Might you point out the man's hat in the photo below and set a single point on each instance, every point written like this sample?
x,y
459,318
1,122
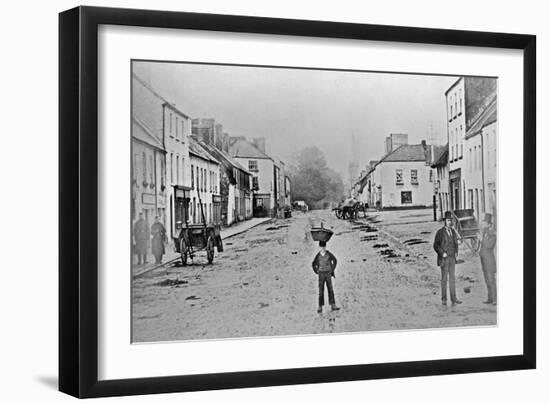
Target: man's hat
x,y
488,218
448,215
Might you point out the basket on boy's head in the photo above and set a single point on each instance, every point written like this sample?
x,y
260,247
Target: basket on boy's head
x,y
321,234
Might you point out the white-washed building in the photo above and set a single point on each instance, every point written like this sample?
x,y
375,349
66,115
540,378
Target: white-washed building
x,y
465,100
402,179
480,167
235,180
235,187
173,127
147,171
205,202
262,167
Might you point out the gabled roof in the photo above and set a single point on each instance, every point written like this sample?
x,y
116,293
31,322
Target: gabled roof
x,y
196,149
141,132
241,147
406,152
486,117
441,156
148,106
225,160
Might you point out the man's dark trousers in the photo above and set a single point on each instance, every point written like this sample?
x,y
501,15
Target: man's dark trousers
x,y
325,277
448,271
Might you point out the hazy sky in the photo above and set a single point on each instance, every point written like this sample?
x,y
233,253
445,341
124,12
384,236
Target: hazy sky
x,y
295,108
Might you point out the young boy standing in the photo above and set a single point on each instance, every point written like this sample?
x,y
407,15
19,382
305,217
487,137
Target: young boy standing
x,y
324,265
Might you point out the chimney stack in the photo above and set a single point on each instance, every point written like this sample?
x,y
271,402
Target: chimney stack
x,y
225,143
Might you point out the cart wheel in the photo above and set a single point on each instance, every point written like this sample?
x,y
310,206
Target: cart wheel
x,y
183,252
210,249
338,214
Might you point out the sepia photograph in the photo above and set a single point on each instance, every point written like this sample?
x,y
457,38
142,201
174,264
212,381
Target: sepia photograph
x,y
281,201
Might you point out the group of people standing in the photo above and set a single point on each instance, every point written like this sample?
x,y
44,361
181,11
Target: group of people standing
x,y
142,236
446,247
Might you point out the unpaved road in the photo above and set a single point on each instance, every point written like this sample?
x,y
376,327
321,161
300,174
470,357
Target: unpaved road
x,y
263,284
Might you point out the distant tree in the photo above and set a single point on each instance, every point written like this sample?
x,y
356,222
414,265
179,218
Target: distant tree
x,y
312,180
335,191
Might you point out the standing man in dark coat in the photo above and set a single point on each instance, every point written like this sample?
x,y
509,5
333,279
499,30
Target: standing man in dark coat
x,y
141,238
324,265
488,261
159,236
446,247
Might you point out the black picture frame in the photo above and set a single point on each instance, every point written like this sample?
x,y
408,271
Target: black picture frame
x,y
78,200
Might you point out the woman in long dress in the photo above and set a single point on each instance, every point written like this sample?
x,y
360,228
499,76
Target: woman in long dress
x,y
159,236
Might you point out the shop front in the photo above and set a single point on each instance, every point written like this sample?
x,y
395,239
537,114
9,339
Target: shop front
x,y
180,217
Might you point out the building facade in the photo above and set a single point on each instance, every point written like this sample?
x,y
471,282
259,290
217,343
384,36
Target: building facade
x,y
402,179
252,156
235,187
235,180
465,100
177,130
148,174
440,167
173,127
480,174
204,198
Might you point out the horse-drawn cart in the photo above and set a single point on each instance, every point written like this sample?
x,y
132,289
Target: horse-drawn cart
x,y
349,209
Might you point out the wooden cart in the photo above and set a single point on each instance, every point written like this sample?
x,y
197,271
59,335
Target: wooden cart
x,y
198,237
466,225
193,238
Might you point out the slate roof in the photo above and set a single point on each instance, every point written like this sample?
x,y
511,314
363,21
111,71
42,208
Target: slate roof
x,y
141,132
148,105
488,116
363,180
198,150
441,156
406,152
225,160
241,147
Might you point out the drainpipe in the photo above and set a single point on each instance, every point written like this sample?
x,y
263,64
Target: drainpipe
x,y
483,170
156,182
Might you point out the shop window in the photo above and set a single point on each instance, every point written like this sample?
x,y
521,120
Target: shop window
x,y
406,197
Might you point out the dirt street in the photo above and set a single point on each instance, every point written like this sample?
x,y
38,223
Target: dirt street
x,y
263,284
